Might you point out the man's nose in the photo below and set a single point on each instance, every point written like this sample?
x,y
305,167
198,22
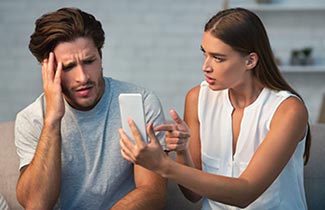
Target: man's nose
x,y
82,74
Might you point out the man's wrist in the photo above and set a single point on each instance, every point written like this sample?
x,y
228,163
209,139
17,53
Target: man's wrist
x,y
52,122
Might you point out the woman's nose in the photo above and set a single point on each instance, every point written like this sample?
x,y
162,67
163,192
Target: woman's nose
x,y
206,67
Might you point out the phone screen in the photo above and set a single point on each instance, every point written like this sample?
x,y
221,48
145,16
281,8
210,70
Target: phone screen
x,y
131,106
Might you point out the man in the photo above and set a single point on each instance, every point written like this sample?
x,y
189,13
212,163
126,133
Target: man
x,y
68,139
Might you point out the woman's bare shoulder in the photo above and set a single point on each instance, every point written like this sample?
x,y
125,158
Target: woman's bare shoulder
x,y
193,93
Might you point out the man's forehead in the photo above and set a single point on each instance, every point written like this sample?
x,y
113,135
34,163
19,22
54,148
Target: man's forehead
x,y
77,49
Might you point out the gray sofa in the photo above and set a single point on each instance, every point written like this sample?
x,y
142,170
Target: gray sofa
x,y
314,172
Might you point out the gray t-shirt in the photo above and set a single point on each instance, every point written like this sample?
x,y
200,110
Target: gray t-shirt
x,y
94,174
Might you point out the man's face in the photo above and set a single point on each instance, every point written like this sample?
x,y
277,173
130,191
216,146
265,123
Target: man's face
x,y
82,76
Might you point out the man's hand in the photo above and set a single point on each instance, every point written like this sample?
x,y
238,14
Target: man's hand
x,y
51,75
177,134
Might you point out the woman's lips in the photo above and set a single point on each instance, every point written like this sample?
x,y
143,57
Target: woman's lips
x,y
209,80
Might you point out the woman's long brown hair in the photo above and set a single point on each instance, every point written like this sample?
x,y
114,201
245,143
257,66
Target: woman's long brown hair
x,y
244,32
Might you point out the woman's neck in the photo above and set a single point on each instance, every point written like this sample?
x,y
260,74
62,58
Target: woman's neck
x,y
244,95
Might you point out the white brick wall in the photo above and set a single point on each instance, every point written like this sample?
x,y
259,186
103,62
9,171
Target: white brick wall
x,y
152,43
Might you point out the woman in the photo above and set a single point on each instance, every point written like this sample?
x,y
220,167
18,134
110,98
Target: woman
x,y
245,134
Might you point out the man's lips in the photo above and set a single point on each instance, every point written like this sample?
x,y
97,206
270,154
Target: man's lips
x,y
83,91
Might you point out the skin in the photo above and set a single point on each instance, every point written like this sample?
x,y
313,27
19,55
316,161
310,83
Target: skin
x,y
74,71
223,68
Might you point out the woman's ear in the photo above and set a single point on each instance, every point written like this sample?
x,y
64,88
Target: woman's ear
x,y
251,61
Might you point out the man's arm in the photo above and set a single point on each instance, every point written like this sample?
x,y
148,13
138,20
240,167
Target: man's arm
x,y
38,186
150,192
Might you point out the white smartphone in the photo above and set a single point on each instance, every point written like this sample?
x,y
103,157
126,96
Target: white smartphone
x,y
131,107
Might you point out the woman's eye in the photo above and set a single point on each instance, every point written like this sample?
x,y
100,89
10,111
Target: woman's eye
x,y
219,60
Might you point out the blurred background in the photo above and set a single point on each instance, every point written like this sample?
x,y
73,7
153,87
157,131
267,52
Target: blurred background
x,y
156,44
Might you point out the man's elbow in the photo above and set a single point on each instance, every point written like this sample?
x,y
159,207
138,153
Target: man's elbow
x,y
21,195
30,201
34,204
160,199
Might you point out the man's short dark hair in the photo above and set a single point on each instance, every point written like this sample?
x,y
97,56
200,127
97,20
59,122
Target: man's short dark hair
x,y
64,25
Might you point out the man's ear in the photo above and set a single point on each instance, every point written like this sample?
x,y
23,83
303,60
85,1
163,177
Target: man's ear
x,y
251,61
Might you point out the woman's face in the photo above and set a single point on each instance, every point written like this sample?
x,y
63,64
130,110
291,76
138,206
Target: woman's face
x,y
223,67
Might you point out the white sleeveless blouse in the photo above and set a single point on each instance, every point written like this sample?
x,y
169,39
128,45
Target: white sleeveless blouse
x,y
214,112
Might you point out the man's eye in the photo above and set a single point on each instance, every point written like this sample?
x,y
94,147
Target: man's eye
x,y
88,61
67,68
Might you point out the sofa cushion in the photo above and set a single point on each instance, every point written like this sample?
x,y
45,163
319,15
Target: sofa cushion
x,y
8,165
315,169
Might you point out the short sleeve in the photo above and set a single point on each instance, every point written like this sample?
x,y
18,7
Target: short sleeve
x,y
27,133
154,113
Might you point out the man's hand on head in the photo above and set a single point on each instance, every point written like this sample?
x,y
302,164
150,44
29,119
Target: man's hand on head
x,y
51,75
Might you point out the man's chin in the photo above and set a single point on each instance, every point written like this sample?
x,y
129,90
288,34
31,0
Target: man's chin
x,y
83,105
